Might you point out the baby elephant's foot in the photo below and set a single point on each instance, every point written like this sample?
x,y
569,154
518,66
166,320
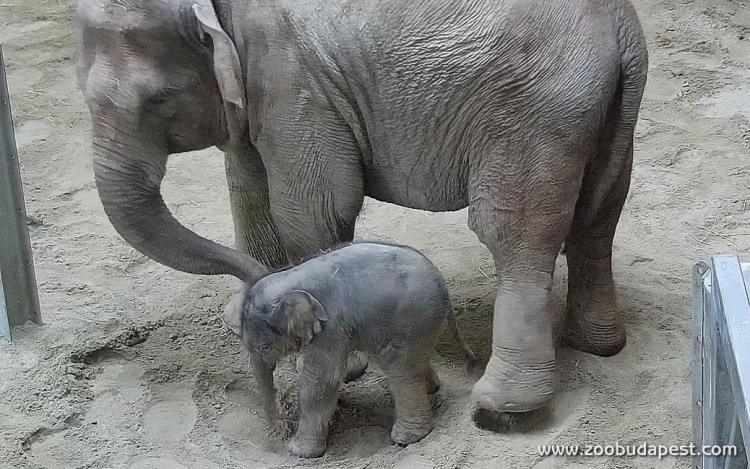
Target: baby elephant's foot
x,y
405,434
306,448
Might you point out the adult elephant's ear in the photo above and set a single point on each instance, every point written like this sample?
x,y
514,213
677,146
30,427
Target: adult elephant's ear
x,y
226,62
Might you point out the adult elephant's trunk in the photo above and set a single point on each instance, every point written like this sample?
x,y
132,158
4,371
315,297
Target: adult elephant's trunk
x,y
129,171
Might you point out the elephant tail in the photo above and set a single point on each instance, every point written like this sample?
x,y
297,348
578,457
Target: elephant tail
x,y
614,158
633,75
450,318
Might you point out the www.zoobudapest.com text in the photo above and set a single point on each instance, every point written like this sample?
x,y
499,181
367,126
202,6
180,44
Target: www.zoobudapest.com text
x,y
644,449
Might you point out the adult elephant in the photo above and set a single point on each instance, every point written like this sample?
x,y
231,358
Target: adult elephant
x,y
522,110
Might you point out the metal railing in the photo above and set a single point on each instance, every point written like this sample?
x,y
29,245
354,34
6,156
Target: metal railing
x,y
721,363
19,298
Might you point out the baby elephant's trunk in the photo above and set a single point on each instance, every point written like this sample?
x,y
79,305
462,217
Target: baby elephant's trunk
x,y
450,317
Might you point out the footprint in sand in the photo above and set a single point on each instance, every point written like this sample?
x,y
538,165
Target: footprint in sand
x,y
239,425
244,429
363,442
172,416
119,376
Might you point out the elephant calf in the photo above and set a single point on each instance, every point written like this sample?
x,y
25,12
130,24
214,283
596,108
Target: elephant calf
x,y
384,300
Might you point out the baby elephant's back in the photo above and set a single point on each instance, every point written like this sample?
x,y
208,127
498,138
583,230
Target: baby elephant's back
x,y
393,281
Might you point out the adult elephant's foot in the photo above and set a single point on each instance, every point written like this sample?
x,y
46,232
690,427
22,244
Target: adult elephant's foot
x,y
593,324
595,333
307,447
519,376
506,389
404,433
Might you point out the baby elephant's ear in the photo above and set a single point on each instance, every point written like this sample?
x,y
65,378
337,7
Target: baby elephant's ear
x,y
302,314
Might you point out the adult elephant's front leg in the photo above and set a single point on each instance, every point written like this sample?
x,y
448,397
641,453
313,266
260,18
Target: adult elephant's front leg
x,y
255,232
523,219
519,376
254,229
316,186
316,191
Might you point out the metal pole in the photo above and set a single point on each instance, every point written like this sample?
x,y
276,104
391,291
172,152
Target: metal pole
x,y
710,358
697,365
17,277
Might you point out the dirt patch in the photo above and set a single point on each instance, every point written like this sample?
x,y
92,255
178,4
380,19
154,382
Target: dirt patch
x,y
133,368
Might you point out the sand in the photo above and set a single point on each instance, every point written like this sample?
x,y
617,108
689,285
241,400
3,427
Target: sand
x,y
133,369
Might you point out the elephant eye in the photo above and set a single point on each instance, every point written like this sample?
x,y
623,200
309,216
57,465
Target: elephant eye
x,y
162,101
155,101
264,348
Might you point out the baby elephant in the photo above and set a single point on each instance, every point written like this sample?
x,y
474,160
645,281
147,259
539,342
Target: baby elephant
x,y
383,300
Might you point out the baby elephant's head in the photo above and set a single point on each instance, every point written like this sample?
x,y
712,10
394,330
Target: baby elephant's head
x,y
273,328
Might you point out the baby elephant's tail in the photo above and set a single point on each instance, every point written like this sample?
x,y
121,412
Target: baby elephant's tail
x,y
450,317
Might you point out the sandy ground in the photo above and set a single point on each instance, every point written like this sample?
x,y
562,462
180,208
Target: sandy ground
x,y
134,370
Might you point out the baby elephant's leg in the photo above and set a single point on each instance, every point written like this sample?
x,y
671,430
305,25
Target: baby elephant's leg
x,y
320,377
407,378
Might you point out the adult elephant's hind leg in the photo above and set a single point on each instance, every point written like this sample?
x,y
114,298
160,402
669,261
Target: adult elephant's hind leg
x,y
522,215
593,323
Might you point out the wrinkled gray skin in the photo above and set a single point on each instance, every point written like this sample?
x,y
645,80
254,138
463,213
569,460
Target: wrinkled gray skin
x,y
522,110
385,300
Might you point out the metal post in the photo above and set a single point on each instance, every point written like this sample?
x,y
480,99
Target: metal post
x,y
699,305
17,278
710,358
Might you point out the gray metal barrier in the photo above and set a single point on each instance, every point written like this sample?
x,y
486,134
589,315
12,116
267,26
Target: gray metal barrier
x,y
19,298
721,363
